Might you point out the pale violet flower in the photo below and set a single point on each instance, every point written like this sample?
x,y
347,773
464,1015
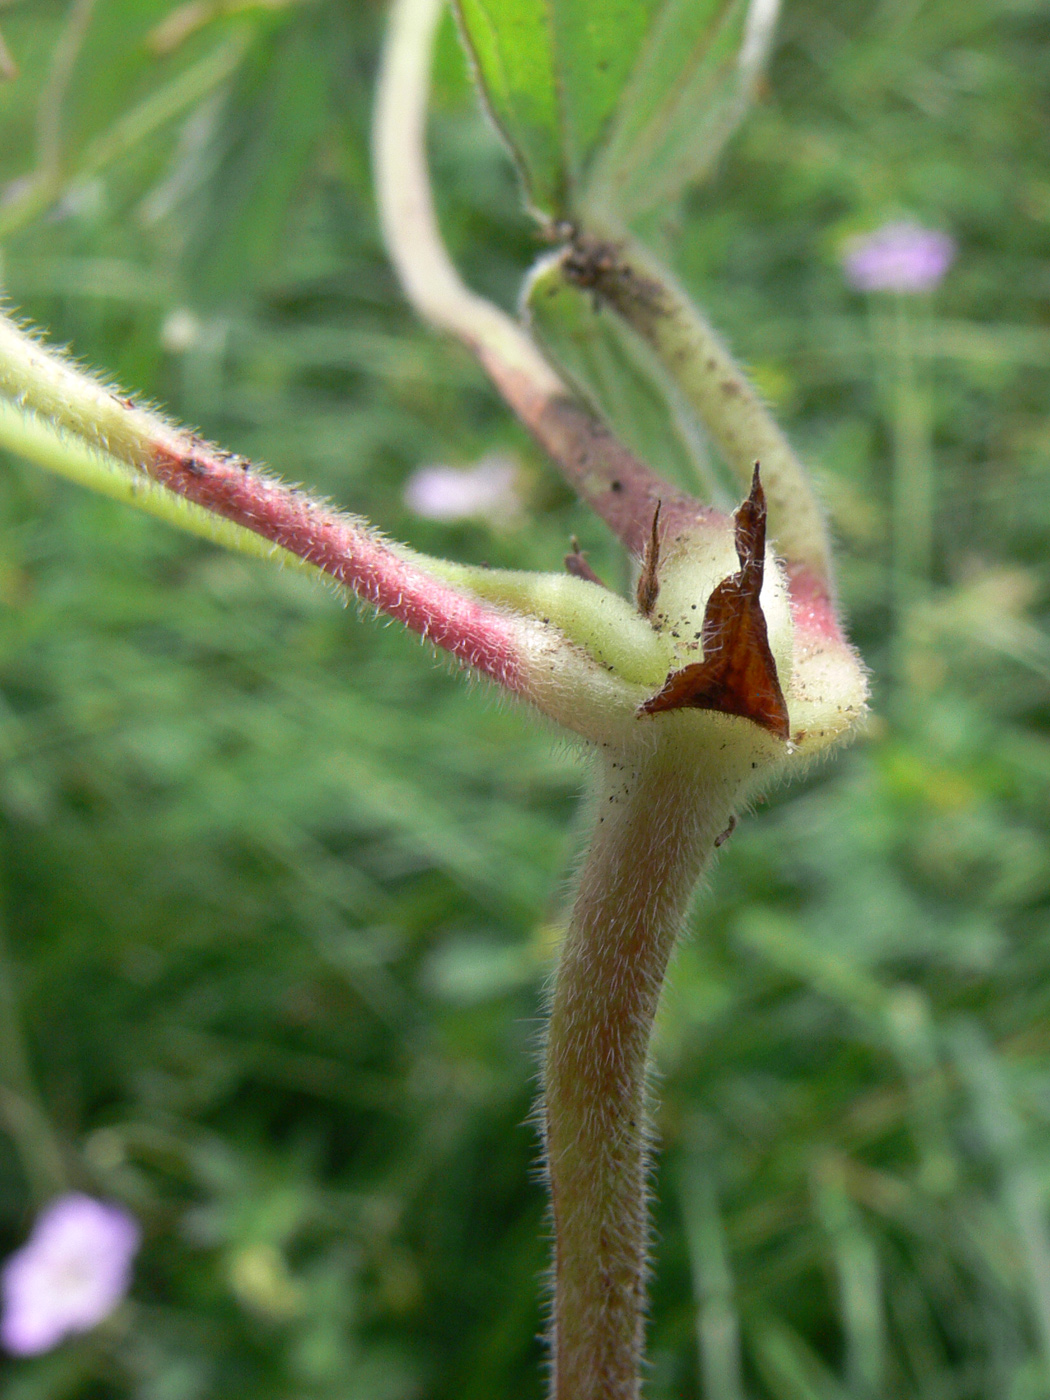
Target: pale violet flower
x,y
899,257
181,331
70,1274
482,492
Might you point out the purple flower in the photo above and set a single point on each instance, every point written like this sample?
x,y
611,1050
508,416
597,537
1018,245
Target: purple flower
x,y
69,1275
900,257
482,492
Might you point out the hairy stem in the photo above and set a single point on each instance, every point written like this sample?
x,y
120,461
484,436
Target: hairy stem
x,y
34,438
617,486
628,279
550,640
63,419
657,817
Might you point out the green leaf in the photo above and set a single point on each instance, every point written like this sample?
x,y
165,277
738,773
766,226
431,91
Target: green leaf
x,y
611,106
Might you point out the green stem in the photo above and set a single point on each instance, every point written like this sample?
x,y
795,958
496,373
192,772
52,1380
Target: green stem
x,y
31,437
45,382
409,222
102,441
620,488
630,280
657,816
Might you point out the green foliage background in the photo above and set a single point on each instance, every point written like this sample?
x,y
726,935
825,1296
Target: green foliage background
x,y
278,892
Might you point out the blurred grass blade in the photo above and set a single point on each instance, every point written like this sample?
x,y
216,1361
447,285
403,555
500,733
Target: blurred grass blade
x,y
8,66
1023,1195
483,865
914,1038
257,156
859,1278
132,129
717,1323
611,106
112,279
778,940
189,18
164,105
790,1369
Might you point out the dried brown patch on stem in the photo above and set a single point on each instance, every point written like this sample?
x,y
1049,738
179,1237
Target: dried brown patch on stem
x,y
577,565
598,265
738,675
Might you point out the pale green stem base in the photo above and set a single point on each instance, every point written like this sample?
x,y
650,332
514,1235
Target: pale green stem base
x,y
657,816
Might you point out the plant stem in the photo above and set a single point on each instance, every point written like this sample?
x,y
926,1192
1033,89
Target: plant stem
x,y
406,208
56,415
613,482
32,437
631,281
507,626
657,816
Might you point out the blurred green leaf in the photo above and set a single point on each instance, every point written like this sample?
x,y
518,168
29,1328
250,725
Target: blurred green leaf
x,y
611,108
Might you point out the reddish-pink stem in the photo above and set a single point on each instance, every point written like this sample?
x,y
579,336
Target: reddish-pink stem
x,y
478,635
813,605
616,484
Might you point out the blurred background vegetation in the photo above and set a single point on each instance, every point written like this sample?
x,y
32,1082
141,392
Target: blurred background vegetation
x,y
278,892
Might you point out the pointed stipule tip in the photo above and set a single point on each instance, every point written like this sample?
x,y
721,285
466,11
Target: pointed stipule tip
x,y
757,496
738,675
